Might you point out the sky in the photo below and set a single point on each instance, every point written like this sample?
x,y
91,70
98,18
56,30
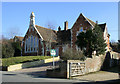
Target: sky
x,y
16,15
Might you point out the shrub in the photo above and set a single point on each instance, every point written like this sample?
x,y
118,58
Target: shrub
x,y
7,49
70,54
17,48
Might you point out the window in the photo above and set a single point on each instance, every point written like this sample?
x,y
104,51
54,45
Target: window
x,y
26,45
81,30
34,43
31,43
28,42
33,29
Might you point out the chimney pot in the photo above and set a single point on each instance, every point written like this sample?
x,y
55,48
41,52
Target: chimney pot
x,y
59,29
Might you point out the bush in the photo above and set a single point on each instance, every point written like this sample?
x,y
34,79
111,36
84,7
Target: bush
x,y
7,49
70,54
17,48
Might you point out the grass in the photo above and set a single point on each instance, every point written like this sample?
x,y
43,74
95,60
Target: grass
x,y
18,60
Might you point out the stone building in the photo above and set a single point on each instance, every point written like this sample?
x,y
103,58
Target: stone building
x,y
39,40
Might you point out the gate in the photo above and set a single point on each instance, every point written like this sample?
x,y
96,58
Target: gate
x,y
75,69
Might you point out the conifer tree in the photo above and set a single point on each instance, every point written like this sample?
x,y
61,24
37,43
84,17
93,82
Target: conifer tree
x,y
99,44
92,40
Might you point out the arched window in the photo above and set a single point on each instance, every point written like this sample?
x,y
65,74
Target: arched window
x,y
31,43
26,45
34,43
28,42
37,43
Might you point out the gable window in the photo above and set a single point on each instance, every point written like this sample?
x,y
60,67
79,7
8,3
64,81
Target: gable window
x,y
32,29
81,30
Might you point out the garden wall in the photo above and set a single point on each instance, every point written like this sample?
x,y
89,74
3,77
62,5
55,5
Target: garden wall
x,y
31,64
77,67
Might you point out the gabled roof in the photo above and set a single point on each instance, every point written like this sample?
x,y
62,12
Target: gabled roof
x,y
93,23
88,20
47,34
102,26
19,37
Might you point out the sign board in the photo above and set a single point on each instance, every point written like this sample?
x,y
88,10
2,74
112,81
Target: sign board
x,y
53,52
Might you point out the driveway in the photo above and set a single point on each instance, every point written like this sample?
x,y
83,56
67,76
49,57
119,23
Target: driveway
x,y
34,74
38,71
111,74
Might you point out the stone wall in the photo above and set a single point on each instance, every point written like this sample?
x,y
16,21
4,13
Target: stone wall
x,y
91,64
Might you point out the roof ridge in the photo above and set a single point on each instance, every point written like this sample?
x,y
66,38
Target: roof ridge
x,y
90,20
19,36
45,27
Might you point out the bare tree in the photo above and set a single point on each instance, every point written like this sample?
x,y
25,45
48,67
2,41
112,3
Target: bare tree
x,y
14,31
49,43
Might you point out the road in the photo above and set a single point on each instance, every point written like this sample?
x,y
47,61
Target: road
x,y
34,74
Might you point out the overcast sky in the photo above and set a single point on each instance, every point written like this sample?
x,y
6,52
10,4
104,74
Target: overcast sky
x,y
16,15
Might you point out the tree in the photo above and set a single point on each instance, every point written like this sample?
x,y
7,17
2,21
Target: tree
x,y
85,42
91,40
49,43
17,48
7,49
99,42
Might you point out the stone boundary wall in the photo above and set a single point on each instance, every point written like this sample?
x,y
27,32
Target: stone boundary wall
x,y
31,64
91,64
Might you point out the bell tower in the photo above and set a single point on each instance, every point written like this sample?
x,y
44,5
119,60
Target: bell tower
x,y
32,19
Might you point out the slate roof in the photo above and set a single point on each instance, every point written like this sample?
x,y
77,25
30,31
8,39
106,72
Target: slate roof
x,y
47,34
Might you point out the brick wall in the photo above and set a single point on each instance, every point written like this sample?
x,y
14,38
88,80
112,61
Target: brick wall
x,y
80,22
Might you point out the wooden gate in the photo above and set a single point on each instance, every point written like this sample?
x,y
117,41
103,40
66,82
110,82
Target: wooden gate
x,y
76,68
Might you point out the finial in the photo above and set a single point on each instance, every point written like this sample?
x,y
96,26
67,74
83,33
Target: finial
x,y
32,14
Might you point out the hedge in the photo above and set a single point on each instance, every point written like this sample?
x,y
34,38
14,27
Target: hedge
x,y
22,59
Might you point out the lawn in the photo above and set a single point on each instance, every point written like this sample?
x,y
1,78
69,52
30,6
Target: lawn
x,y
23,59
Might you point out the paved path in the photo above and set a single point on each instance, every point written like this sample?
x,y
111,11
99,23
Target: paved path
x,y
36,72
111,74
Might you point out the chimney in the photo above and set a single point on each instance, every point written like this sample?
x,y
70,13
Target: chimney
x,y
59,29
66,25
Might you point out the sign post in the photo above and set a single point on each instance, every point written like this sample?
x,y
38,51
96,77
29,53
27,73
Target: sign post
x,y
53,53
